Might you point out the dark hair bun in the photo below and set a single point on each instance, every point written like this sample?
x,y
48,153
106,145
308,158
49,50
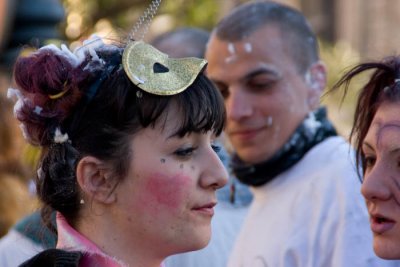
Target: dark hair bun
x,y
51,83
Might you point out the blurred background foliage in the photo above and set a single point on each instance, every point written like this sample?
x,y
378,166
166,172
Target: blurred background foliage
x,y
349,32
114,19
338,58
76,20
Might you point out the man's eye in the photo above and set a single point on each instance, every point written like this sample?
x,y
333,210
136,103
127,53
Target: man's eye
x,y
223,89
224,93
261,85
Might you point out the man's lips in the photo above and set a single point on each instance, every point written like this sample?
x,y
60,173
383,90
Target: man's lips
x,y
206,209
380,224
244,133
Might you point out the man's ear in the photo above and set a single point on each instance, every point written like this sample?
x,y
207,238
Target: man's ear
x,y
316,80
95,181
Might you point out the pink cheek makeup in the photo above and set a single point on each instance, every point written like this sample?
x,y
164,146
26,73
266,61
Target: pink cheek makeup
x,y
169,191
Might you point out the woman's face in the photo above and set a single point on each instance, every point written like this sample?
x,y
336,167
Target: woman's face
x,y
381,185
167,199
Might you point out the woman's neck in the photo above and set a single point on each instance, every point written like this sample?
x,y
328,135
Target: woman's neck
x,y
125,245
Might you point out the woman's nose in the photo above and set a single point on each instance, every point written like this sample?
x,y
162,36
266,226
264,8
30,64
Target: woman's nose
x,y
215,174
376,183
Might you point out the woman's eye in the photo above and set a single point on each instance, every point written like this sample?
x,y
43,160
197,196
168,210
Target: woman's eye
x,y
369,161
216,148
185,152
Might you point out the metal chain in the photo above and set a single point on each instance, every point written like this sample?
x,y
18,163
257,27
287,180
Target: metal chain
x,y
142,25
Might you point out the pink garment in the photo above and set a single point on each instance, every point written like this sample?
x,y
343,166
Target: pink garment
x,y
71,240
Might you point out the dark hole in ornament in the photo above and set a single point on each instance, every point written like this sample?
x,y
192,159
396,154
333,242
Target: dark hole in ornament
x,y
158,68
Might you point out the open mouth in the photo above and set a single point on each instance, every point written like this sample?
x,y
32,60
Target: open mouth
x,y
380,220
381,224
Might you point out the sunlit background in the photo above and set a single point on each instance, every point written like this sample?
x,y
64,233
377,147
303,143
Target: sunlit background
x,y
348,31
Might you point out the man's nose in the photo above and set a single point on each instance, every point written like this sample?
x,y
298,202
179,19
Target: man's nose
x,y
238,104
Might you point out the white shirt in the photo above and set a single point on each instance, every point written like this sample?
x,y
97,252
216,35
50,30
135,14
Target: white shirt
x,y
16,248
312,215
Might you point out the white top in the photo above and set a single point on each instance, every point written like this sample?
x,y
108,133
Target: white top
x,y
16,248
312,215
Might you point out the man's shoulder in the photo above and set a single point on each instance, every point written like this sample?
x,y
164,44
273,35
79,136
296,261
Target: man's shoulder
x,y
329,166
334,145
332,153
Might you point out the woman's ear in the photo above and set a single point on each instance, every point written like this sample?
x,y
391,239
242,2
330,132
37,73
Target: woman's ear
x,y
316,81
95,181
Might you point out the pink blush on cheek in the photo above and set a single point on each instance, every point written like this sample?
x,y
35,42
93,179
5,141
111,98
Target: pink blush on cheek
x,y
167,190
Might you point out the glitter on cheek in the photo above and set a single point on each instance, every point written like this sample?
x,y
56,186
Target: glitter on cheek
x,y
170,191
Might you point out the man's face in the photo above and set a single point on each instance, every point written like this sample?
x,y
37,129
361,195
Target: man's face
x,y
265,95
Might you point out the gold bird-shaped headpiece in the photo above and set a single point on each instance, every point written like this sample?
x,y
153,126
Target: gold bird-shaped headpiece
x,y
156,73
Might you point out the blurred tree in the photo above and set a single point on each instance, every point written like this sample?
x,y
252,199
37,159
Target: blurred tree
x,y
118,17
338,58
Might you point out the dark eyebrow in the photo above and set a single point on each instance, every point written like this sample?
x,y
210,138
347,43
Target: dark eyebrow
x,y
253,73
367,145
261,70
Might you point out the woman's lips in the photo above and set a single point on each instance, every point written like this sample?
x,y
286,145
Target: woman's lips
x,y
381,224
207,209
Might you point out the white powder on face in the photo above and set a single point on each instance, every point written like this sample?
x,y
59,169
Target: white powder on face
x,y
232,52
248,47
231,48
230,59
269,121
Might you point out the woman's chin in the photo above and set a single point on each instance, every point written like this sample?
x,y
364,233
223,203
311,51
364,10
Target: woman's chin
x,y
386,251
198,242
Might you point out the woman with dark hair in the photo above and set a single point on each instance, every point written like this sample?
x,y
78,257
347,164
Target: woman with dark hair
x,y
128,159
376,136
